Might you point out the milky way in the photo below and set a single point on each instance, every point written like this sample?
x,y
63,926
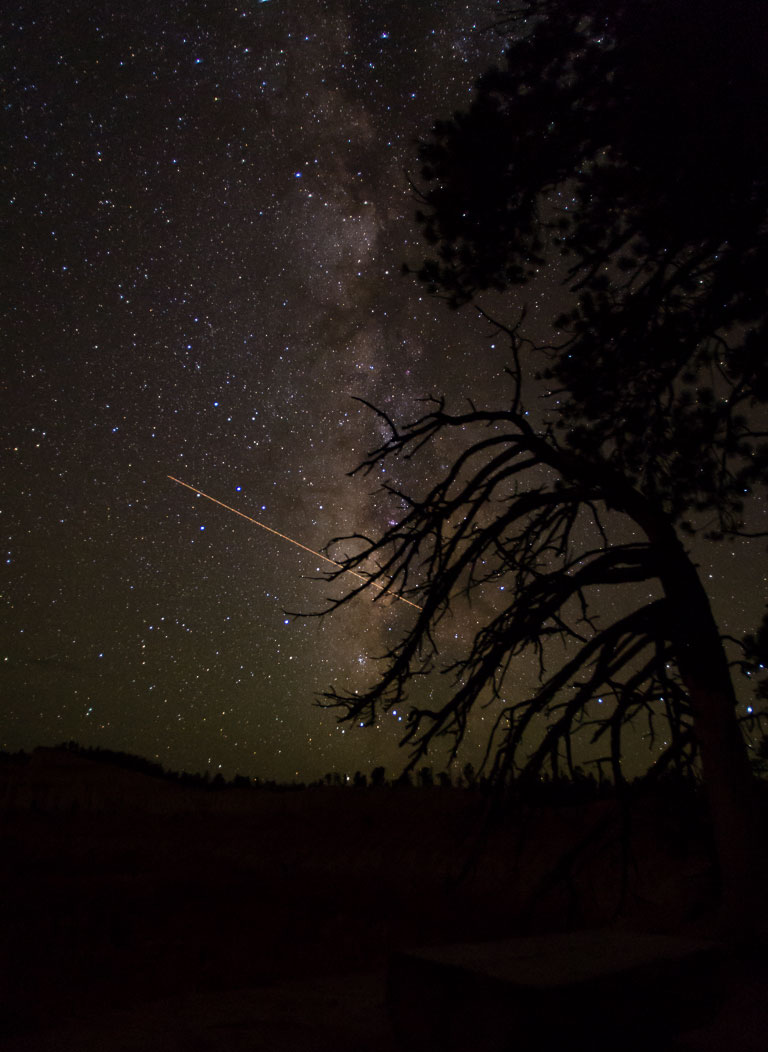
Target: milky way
x,y
207,207
208,212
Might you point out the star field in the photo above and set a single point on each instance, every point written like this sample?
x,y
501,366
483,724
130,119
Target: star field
x,y
206,212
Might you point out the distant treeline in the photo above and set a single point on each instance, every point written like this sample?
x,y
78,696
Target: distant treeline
x,y
583,786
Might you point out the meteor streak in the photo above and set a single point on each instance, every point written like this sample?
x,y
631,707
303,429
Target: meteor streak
x,y
298,544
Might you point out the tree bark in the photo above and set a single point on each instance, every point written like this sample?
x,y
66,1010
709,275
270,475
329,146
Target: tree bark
x,y
738,829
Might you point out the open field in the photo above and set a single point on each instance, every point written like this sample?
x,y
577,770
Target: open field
x,y
122,892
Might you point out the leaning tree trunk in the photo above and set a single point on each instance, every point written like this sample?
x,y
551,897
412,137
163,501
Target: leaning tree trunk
x,y
737,826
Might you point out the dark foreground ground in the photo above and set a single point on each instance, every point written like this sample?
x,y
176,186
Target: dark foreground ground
x,y
139,914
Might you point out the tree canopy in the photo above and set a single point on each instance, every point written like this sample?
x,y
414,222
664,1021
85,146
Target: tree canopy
x,y
621,149
628,140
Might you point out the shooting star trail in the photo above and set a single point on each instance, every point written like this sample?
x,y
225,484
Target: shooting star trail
x,y
298,544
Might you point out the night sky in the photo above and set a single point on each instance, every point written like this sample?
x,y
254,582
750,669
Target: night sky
x,y
205,213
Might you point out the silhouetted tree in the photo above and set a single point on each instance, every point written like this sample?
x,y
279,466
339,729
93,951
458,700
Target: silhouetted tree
x,y
378,777
403,780
619,157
